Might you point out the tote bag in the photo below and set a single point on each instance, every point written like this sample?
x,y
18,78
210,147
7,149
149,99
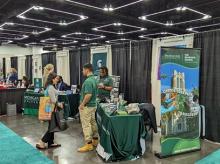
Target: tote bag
x,y
45,108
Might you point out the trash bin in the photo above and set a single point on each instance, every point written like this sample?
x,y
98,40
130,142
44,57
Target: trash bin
x,y
11,110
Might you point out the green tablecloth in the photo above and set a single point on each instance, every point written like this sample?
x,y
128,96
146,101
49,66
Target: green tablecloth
x,y
121,137
31,103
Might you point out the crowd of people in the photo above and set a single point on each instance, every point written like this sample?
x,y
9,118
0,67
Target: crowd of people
x,y
93,87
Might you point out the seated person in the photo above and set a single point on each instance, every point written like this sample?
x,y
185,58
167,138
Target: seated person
x,y
12,76
61,85
25,82
105,83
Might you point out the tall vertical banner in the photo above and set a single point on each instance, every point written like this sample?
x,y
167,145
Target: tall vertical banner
x,y
179,76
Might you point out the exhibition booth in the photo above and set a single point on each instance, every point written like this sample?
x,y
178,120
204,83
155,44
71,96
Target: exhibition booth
x,y
163,99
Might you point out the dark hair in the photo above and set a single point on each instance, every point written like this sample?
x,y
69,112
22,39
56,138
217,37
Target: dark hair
x,y
195,98
105,69
163,95
50,78
61,78
25,78
88,66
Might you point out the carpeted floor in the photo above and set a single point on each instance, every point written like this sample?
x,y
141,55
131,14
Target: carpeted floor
x,y
13,149
213,158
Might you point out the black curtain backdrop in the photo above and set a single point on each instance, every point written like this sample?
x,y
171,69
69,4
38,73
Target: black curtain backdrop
x,y
210,81
28,67
77,58
4,68
14,62
74,59
85,57
140,74
49,58
121,66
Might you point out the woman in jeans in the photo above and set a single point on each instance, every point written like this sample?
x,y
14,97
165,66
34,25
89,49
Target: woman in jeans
x,y
50,91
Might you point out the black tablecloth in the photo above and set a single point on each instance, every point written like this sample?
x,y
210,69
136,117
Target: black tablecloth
x,y
13,96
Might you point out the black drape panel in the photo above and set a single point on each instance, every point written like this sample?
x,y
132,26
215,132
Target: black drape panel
x,y
49,58
210,81
121,66
84,58
28,67
4,68
77,58
74,59
14,62
140,75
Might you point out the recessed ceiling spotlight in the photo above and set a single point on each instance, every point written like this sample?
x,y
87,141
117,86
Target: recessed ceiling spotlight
x,y
107,41
120,33
117,24
42,41
94,43
143,17
62,23
178,8
95,29
169,24
83,45
206,17
21,16
87,39
10,41
48,29
141,36
75,41
142,29
82,17
183,8
51,39
38,8
35,32
189,29
27,44
110,8
78,33
63,36
9,23
25,36
1,28
102,36
123,39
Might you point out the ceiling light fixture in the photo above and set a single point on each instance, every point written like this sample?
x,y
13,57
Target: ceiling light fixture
x,y
147,36
81,17
116,41
193,29
105,8
83,36
183,8
119,24
10,23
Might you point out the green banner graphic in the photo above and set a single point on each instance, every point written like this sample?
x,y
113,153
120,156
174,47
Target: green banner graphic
x,y
179,75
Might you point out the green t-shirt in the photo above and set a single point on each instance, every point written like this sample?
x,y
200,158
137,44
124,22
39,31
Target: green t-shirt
x,y
89,87
106,81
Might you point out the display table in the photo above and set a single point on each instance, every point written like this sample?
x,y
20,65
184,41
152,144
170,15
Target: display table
x,y
31,103
121,137
13,96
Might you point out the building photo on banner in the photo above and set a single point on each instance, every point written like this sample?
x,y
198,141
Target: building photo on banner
x,y
109,82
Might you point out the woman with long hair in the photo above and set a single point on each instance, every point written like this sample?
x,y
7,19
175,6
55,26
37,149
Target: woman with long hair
x,y
49,68
51,92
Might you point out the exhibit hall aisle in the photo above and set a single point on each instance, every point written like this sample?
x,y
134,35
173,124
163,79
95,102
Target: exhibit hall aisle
x,y
30,129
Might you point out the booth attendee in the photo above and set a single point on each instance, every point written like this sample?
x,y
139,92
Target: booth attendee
x,y
87,109
25,82
50,91
12,76
105,83
49,68
61,85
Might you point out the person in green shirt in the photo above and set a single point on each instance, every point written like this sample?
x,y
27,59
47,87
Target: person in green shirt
x,y
105,83
87,109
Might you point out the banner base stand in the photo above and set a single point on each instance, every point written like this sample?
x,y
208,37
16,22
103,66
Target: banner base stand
x,y
160,156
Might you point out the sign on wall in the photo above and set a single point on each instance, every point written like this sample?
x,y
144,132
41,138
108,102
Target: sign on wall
x,y
99,60
179,76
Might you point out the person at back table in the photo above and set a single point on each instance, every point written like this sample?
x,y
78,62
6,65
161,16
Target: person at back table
x,y
12,76
105,83
61,85
49,68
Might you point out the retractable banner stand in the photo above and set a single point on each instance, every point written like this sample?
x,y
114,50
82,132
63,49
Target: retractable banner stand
x,y
180,121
